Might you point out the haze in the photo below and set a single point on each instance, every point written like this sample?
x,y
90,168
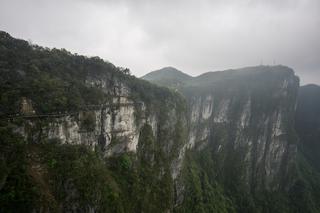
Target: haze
x,y
194,36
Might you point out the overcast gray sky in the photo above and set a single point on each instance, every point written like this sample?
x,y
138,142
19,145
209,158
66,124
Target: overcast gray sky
x,y
194,36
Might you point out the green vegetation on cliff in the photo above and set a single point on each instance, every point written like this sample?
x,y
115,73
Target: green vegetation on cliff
x,y
37,173
59,178
56,80
222,169
163,175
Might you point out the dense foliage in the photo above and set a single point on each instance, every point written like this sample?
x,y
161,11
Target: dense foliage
x,y
17,190
214,182
41,174
44,174
204,192
52,79
59,178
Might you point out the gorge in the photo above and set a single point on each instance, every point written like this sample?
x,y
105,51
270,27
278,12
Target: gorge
x,y
79,134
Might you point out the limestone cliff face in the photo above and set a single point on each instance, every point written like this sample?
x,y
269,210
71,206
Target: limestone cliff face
x,y
115,126
219,142
246,118
114,122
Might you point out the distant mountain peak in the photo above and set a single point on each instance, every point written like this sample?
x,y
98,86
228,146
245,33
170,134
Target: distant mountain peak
x,y
167,74
172,77
169,68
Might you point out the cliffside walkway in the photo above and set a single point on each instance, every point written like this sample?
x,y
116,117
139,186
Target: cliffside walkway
x,y
67,113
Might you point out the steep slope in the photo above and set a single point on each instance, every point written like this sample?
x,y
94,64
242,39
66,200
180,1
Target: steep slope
x,y
255,112
242,137
81,135
307,125
242,120
308,122
168,76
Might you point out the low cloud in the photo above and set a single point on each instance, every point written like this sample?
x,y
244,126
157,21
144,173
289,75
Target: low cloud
x,y
195,36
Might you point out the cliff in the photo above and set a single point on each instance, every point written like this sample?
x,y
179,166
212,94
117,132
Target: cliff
x,y
247,120
82,121
82,135
243,122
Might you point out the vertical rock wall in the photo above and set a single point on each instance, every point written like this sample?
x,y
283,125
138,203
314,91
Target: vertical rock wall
x,y
248,127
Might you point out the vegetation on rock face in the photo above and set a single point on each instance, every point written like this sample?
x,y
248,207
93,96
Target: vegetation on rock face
x,y
202,192
59,178
55,80
52,79
41,174
18,193
88,121
225,170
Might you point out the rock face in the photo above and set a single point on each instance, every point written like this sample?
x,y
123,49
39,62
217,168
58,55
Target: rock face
x,y
246,118
115,126
112,122
220,142
84,117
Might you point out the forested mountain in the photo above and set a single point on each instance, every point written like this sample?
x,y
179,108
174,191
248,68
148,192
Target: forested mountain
x,y
168,76
79,134
259,142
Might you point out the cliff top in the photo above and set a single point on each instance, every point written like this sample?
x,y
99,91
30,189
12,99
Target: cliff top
x,y
174,78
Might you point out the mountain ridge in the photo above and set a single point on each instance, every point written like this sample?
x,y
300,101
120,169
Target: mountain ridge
x,y
224,142
170,77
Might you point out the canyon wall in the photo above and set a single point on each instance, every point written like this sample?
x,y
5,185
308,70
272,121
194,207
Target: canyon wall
x,y
81,135
248,122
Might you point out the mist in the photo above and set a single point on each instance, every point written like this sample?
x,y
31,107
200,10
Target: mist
x,y
193,36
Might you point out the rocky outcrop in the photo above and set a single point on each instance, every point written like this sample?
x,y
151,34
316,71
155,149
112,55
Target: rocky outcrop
x,y
246,117
115,127
219,142
246,125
